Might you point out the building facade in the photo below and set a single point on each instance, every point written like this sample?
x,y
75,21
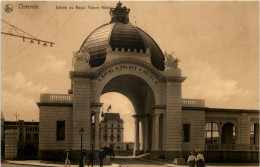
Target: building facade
x,y
112,134
20,139
120,57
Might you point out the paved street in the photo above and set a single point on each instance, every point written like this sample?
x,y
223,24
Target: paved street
x,y
116,163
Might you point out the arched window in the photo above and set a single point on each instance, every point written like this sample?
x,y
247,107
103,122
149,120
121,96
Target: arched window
x,y
228,135
211,133
254,134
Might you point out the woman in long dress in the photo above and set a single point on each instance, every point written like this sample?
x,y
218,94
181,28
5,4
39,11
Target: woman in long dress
x,y
200,160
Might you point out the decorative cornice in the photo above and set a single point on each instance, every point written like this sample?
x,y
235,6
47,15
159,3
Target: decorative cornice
x,y
223,110
96,104
158,106
140,115
39,104
77,74
175,79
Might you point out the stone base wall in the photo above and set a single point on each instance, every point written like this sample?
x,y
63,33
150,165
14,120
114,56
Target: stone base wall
x,y
232,156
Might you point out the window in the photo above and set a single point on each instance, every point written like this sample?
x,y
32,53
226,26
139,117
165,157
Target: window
x,y
211,133
36,137
28,136
118,126
60,130
112,125
186,132
118,147
254,134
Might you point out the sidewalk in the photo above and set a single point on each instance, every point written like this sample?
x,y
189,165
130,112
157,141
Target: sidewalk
x,y
38,163
159,162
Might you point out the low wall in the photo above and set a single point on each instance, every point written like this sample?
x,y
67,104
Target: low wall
x,y
232,156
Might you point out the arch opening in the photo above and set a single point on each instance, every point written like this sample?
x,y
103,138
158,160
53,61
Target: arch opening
x,y
142,98
228,135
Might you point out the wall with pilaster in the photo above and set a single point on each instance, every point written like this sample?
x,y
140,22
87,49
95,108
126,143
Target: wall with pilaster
x,y
49,115
173,117
81,113
244,129
196,119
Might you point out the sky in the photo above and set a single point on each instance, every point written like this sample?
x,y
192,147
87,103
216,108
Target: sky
x,y
217,43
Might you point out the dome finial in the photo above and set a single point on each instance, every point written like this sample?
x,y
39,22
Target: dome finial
x,y
119,14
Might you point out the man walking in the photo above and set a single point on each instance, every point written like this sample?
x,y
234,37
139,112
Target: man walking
x,y
67,158
91,158
101,155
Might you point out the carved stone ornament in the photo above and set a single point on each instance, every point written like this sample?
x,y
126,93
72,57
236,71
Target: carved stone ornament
x,y
170,62
80,57
119,14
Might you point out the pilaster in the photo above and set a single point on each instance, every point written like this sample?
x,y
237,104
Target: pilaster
x,y
81,112
173,116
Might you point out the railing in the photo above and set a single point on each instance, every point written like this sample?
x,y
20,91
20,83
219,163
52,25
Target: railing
x,y
56,98
231,147
193,102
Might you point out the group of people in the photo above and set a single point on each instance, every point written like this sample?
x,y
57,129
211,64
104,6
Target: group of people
x,y
101,156
196,159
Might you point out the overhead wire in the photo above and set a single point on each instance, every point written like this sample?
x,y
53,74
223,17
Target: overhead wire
x,y
50,39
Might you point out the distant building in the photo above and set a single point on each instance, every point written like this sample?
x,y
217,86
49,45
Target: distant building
x,y
19,140
28,131
112,133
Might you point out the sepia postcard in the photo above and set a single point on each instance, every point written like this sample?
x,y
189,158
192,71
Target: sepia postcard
x,y
130,83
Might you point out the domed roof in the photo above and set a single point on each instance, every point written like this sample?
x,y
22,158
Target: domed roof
x,y
121,34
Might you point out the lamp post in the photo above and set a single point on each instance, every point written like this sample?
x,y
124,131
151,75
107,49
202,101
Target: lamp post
x,y
81,132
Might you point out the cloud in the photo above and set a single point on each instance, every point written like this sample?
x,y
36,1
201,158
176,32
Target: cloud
x,y
52,65
16,102
19,82
205,82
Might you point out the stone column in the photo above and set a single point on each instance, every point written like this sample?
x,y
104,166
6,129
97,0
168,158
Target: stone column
x,y
136,134
146,143
156,130
97,130
143,134
220,134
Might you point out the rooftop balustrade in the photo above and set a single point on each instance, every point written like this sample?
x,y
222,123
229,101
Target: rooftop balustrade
x,y
193,103
56,98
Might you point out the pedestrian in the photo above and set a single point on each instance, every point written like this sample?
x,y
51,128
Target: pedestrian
x,y
200,160
84,156
91,158
67,158
192,159
101,155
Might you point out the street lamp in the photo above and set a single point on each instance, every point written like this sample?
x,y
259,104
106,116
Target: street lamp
x,y
81,133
